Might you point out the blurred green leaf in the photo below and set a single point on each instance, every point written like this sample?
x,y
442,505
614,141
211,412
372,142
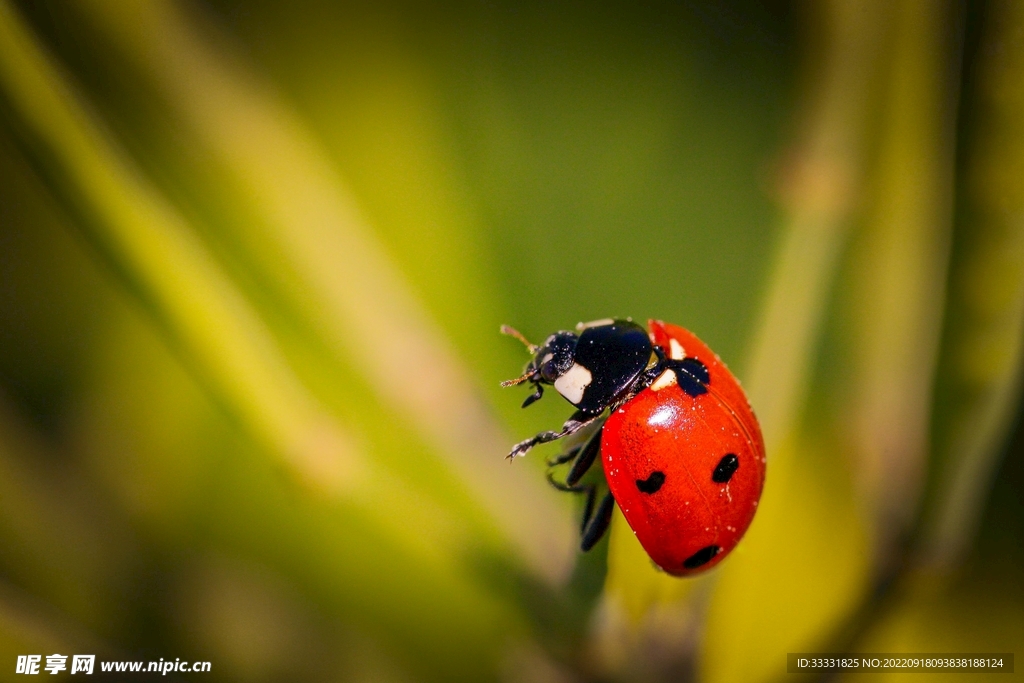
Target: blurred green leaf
x,y
342,283
326,209
229,351
822,183
895,296
148,244
983,347
50,521
803,565
851,471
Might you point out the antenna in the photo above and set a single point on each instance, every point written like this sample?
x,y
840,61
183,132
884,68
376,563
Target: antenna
x,y
517,380
513,332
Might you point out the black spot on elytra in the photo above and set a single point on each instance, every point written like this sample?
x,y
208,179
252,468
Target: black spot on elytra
x,y
727,466
701,557
652,483
692,375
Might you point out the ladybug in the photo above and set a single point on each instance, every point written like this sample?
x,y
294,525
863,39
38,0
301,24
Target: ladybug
x,y
681,448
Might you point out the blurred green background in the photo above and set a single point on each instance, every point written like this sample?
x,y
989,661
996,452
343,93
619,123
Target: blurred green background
x,y
253,261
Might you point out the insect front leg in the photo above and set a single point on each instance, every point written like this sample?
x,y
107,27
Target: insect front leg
x,y
538,391
578,421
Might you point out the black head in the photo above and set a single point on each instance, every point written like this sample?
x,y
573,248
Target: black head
x,y
549,362
554,358
591,370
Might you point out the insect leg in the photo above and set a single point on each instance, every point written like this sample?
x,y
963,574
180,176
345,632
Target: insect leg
x,y
588,507
578,421
563,458
598,524
586,458
535,396
568,488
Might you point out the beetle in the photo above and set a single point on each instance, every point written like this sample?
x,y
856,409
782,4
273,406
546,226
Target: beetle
x,y
680,446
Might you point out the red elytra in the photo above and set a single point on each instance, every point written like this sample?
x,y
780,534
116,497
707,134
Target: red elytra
x,y
708,450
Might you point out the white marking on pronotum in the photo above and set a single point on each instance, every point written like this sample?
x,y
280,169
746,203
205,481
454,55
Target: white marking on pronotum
x,y
593,323
675,350
573,383
665,379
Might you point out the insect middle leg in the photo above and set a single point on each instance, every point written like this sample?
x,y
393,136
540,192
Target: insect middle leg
x,y
563,458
